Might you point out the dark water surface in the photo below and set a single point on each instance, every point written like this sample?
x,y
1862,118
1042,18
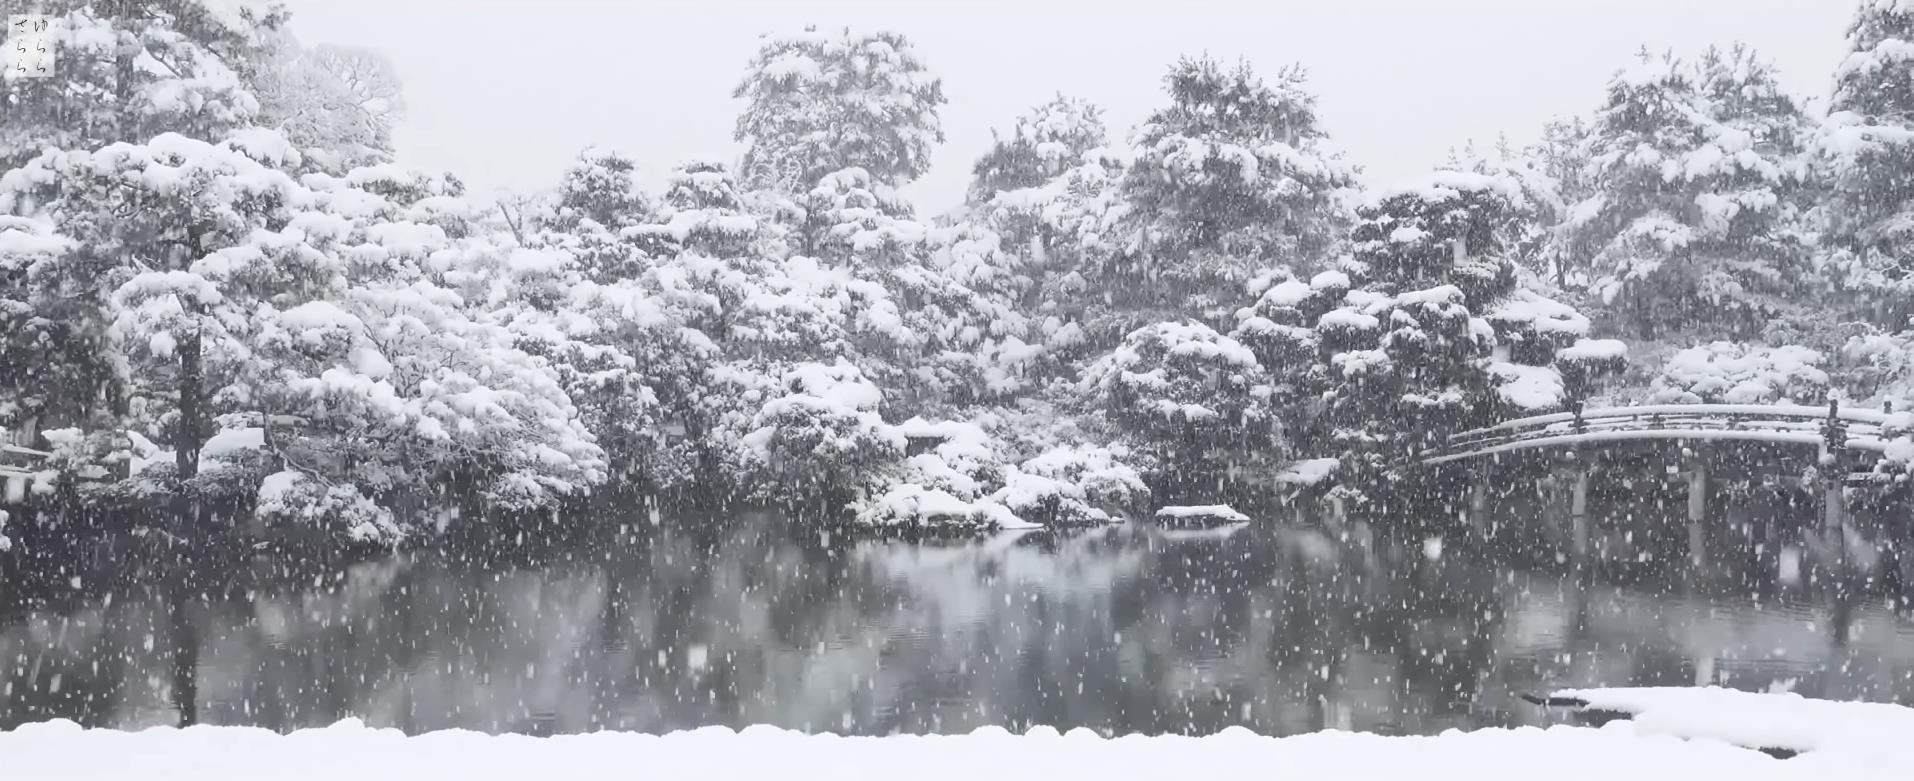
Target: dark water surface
x,y
1124,629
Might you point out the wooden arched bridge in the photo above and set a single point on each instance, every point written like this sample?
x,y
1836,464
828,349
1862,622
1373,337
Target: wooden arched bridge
x,y
1832,429
1697,442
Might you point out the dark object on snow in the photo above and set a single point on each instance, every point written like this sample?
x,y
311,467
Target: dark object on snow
x,y
1596,717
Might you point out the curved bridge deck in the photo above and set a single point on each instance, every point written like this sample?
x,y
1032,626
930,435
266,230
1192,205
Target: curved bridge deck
x,y
1831,428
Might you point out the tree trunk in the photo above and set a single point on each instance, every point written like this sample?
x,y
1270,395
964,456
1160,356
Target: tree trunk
x,y
191,436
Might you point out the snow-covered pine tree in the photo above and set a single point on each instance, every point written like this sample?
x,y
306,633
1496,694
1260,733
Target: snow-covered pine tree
x,y
817,103
702,213
1866,149
1234,177
1044,143
596,208
818,439
1698,195
338,104
1196,400
283,339
173,247
1548,175
1022,187
131,71
601,186
852,219
1434,336
1059,234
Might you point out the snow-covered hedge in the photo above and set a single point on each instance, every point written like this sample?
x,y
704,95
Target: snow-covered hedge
x,y
1074,485
966,477
1727,372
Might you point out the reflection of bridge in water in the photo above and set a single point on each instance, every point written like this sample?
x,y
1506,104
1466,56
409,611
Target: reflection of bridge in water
x,y
1832,454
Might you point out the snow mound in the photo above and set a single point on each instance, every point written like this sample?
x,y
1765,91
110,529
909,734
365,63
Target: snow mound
x,y
349,749
1199,515
1307,472
1783,721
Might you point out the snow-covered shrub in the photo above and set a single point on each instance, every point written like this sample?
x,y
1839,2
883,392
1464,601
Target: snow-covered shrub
x,y
1731,373
852,220
1198,400
951,483
1434,334
822,439
1174,380
302,504
1070,485
909,505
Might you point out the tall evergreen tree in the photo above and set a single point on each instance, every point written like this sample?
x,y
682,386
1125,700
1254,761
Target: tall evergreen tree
x,y
1426,332
1049,140
1867,149
817,103
130,71
597,213
1232,178
1698,194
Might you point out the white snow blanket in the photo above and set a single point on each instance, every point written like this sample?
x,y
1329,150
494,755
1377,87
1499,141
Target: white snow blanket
x,y
1787,722
62,750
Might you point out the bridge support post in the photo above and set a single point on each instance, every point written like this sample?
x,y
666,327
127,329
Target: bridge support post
x,y
1578,515
1834,519
1833,483
1697,509
1479,504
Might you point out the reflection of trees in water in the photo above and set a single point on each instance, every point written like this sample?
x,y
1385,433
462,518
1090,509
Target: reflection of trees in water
x,y
739,621
1567,632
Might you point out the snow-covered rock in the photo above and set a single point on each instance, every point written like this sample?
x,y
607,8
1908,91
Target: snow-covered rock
x,y
1199,515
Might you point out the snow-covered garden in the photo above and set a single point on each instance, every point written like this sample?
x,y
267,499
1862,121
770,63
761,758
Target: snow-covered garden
x,y
1162,387
219,295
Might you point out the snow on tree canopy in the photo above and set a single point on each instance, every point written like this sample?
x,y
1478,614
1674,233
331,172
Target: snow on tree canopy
x,y
1074,484
817,103
1427,332
1180,389
305,301
132,71
1698,182
1233,177
1730,373
823,433
1041,146
1865,147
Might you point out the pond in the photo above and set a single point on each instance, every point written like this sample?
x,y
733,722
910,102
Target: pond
x,y
746,620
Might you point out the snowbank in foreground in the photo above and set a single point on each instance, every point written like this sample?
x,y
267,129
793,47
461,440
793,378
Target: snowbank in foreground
x,y
1788,722
61,750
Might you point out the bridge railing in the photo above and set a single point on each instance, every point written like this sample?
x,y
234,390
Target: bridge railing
x,y
1832,426
17,467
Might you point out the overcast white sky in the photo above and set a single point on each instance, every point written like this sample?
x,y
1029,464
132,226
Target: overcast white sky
x,y
505,93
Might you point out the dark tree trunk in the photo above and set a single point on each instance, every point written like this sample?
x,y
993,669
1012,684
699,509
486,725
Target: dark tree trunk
x,y
191,435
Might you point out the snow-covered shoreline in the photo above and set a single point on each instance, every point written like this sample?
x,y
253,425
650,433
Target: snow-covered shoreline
x,y
1676,732
61,750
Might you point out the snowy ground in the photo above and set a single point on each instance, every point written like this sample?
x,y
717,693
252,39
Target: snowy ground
x,y
1840,740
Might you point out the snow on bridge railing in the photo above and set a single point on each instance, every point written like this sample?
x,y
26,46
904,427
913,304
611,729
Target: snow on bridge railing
x,y
1848,414
17,467
1833,426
